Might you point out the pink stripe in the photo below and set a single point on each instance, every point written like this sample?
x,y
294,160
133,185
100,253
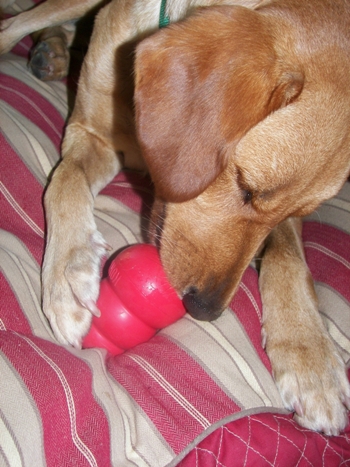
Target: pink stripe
x,y
209,399
173,417
330,237
244,306
17,208
75,428
133,190
23,47
33,106
325,263
329,271
12,316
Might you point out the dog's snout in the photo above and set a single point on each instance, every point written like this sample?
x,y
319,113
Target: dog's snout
x,y
199,307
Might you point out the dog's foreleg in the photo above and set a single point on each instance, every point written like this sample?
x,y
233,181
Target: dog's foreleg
x,y
99,137
307,367
71,268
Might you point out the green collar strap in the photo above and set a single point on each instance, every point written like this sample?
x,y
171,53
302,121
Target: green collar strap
x,y
164,20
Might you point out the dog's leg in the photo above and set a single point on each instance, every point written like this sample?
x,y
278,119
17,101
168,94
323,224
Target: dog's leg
x,y
71,268
307,367
101,127
47,14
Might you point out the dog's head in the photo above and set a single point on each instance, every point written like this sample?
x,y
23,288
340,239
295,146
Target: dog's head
x,y
218,122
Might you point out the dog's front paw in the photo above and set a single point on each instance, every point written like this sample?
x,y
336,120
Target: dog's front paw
x,y
312,381
70,285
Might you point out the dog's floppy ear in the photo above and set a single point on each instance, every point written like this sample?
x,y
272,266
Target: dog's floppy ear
x,y
200,86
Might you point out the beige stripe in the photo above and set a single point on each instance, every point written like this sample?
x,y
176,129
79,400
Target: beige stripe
x,y
344,193
142,448
335,211
17,6
118,226
334,305
30,143
339,338
242,363
19,409
113,217
135,440
335,311
342,204
9,448
239,370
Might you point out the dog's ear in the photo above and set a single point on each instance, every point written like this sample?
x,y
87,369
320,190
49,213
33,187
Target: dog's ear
x,y
200,85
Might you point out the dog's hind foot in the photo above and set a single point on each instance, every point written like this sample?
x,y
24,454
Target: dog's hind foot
x,y
50,59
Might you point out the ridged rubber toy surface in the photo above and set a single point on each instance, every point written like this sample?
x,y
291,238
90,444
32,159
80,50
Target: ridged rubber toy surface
x,y
135,301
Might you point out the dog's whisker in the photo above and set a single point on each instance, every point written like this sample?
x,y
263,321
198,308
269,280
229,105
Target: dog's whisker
x,y
171,243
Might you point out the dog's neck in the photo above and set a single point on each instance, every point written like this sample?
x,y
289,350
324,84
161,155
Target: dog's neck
x,y
164,20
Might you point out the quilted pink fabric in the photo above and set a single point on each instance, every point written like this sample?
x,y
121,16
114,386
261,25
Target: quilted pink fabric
x,y
197,394
268,440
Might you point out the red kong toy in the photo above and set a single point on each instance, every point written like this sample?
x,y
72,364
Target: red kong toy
x,y
135,301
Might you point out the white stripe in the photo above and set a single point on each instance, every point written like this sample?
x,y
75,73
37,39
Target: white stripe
x,y
328,252
20,211
252,299
2,325
70,403
179,398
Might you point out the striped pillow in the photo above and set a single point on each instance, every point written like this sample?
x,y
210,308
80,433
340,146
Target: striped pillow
x,y
195,394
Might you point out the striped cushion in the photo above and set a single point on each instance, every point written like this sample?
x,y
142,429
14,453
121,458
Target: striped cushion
x,y
195,394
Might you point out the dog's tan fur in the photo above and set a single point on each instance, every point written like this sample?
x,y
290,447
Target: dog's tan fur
x,y
242,117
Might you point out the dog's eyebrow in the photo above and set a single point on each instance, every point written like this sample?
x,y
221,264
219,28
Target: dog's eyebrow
x,y
250,180
263,183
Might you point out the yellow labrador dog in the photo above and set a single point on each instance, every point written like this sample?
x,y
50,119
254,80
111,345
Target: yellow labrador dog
x,y
241,111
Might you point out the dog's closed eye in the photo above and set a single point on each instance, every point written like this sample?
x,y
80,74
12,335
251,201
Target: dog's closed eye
x,y
247,196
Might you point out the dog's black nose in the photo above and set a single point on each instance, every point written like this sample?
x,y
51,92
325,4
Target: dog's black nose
x,y
198,307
